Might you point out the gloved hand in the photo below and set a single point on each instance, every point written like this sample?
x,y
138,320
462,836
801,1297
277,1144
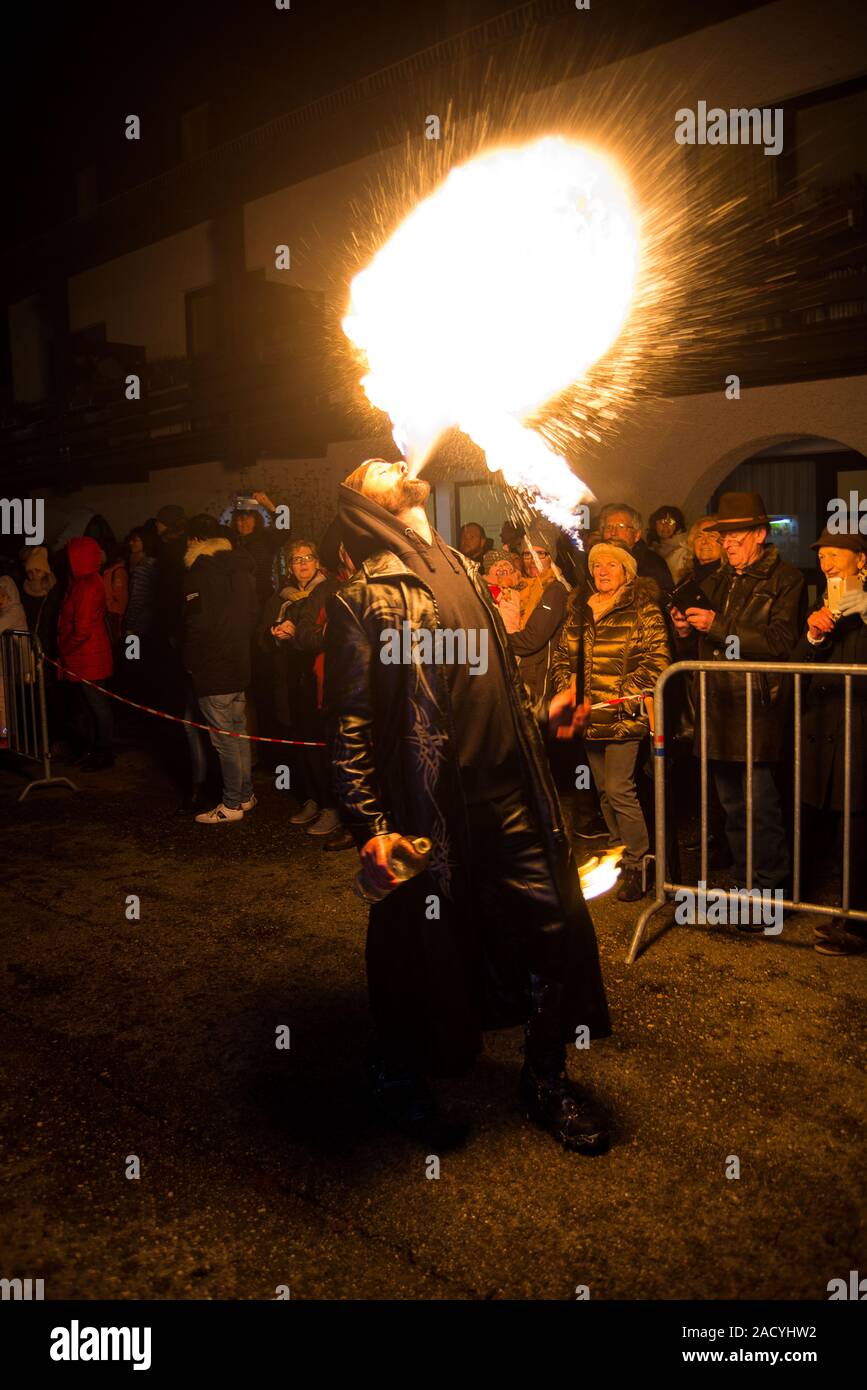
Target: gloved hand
x,y
854,603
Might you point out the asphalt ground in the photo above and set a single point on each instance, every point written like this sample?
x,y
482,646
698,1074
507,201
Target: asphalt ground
x,y
263,1168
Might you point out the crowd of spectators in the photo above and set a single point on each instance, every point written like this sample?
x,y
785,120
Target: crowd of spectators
x,y
224,625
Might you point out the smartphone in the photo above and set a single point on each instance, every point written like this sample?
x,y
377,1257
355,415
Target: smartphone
x,y
837,587
687,595
246,504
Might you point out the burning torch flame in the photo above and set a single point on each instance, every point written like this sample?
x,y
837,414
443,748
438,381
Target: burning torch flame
x,y
597,876
496,293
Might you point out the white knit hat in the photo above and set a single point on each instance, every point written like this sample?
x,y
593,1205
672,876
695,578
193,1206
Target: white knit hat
x,y
606,551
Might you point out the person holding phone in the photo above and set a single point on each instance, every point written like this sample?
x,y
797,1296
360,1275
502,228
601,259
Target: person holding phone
x,y
756,606
836,633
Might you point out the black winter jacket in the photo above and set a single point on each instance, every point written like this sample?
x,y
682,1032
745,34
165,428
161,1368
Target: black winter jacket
x,y
534,645
220,614
652,566
765,608
822,741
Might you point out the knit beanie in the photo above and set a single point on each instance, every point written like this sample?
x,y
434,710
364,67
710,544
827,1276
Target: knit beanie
x,y
606,551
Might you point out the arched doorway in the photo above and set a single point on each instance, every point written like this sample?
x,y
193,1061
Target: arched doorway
x,y
797,480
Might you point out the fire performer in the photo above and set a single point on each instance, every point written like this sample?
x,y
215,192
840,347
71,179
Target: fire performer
x,y
495,930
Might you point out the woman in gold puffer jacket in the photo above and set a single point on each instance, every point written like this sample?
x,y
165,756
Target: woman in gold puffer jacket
x,y
625,650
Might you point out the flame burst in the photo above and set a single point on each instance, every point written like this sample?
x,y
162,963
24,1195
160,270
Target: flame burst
x,y
599,875
495,294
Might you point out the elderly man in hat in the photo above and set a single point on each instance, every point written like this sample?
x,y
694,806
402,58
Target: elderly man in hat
x,y
836,633
759,600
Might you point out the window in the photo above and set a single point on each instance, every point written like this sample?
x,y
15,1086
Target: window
x,y
486,503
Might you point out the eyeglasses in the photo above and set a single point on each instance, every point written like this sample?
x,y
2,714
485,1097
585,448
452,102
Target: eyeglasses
x,y
302,559
617,526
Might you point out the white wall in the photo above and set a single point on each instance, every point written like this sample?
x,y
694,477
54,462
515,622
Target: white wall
x,y
140,296
309,486
679,450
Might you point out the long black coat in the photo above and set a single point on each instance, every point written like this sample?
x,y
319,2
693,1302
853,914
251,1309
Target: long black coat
x,y
395,769
822,739
765,608
219,616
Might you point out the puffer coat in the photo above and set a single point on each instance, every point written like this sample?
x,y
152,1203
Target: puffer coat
x,y
83,642
625,652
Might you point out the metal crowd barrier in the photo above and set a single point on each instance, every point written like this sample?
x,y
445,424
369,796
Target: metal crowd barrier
x,y
747,669
23,683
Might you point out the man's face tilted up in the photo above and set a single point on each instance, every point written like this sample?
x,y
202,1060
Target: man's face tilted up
x,y
389,484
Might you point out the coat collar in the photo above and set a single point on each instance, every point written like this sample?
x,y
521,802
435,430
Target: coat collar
x,y
761,566
196,549
384,564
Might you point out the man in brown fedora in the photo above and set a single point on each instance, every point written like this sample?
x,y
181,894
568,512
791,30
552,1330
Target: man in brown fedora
x,y
759,600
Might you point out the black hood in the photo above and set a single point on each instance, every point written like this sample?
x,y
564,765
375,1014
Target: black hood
x,y
367,528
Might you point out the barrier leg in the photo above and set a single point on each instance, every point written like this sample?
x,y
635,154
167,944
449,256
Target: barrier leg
x,y
48,782
660,863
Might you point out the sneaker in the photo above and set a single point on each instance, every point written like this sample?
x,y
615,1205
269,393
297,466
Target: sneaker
x,y
221,815
850,939
326,824
828,928
248,805
309,811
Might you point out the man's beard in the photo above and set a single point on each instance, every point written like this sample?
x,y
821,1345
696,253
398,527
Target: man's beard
x,y
408,492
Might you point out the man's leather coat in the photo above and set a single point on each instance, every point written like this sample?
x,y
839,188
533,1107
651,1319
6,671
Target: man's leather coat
x,y
395,768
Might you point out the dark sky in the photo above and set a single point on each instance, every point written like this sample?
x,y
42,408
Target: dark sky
x,y
74,71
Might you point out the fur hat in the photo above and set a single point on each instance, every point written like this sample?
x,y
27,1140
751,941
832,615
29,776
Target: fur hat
x,y
36,558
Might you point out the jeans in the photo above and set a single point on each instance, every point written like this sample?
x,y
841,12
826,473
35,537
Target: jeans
x,y
613,768
770,846
228,712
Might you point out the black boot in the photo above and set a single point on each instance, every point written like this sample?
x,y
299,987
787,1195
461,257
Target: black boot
x,y
630,890
548,1097
403,1100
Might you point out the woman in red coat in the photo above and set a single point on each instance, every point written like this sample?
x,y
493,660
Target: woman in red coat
x,y
84,646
